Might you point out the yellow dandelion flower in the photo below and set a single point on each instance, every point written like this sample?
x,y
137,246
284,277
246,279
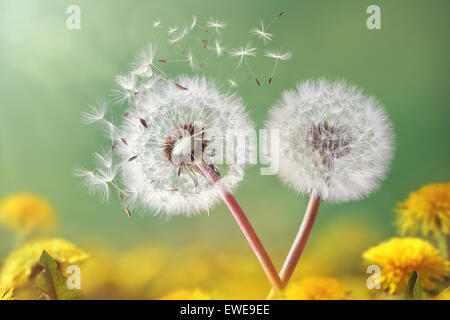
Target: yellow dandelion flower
x,y
26,213
184,294
6,294
444,295
22,264
428,206
315,288
137,268
399,257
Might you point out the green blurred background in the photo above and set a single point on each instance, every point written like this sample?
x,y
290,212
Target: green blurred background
x,y
48,75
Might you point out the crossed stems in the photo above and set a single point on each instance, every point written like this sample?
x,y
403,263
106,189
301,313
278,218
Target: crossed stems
x,y
280,281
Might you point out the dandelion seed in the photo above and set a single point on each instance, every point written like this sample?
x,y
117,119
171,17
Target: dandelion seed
x,y
399,257
232,83
261,33
172,30
428,208
205,43
277,56
243,53
143,122
157,23
96,113
219,48
215,24
190,59
335,144
193,23
197,116
104,160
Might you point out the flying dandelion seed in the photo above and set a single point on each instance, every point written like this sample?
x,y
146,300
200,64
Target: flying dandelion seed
x,y
215,24
242,53
164,158
219,48
277,56
157,24
279,15
156,162
262,33
172,30
232,83
180,37
193,23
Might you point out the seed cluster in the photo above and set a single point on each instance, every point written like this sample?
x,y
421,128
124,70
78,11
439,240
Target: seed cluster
x,y
330,141
195,144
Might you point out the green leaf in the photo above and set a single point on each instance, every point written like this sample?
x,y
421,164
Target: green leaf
x,y
413,289
52,282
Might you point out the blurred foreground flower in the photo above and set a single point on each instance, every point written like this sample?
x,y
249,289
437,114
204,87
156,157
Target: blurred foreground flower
x,y
315,288
22,264
6,294
184,294
399,257
428,206
26,213
444,295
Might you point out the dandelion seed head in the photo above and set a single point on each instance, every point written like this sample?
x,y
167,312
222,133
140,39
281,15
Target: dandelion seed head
x,y
193,23
333,138
180,36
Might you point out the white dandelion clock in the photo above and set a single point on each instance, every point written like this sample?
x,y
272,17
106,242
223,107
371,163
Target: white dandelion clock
x,y
261,33
333,139
179,148
336,144
168,133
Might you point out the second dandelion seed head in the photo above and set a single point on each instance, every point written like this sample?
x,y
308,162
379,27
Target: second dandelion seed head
x,y
334,139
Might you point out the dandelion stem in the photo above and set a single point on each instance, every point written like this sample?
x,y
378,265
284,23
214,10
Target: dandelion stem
x,y
247,229
300,241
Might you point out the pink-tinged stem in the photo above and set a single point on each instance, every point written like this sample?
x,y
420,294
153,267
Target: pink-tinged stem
x,y
300,241
247,229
